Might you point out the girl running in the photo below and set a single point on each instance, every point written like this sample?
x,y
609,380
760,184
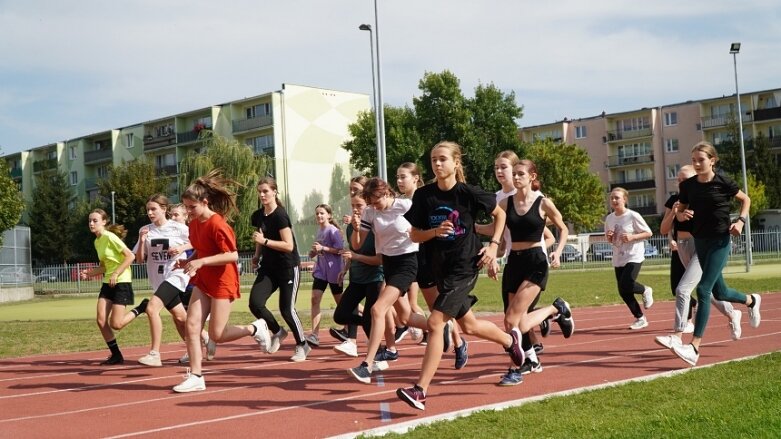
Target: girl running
x,y
117,289
705,201
209,202
276,250
326,248
443,215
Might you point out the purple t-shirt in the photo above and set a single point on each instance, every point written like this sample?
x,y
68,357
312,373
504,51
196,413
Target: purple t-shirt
x,y
328,265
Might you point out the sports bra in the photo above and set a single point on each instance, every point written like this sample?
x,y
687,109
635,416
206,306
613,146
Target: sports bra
x,y
527,227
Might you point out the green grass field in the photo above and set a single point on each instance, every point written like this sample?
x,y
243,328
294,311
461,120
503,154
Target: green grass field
x,y
739,399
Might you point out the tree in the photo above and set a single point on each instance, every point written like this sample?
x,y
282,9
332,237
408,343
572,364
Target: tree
x,y
563,171
756,192
82,241
306,229
339,193
132,183
239,163
49,208
762,164
11,202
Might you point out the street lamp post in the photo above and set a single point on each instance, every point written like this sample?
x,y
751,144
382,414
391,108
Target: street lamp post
x,y
383,166
734,49
368,27
113,217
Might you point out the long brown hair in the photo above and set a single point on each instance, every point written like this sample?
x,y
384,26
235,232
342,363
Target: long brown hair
x,y
162,201
117,229
272,183
455,152
532,169
214,188
414,170
330,212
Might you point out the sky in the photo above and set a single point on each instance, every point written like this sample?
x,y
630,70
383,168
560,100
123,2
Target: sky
x,y
69,69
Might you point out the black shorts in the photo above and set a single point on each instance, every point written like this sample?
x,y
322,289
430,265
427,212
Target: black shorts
x,y
400,271
320,284
169,295
525,265
119,294
184,296
454,299
425,276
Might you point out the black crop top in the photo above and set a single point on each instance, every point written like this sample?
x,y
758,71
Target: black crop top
x,y
527,227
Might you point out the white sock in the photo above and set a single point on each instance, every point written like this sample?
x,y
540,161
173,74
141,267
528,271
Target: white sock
x,y
532,355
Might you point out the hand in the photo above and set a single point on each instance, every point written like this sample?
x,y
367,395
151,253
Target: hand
x,y
356,219
258,237
318,248
487,257
554,258
84,274
346,255
626,237
174,251
609,235
192,267
112,281
686,215
445,229
673,245
736,228
340,277
346,219
142,234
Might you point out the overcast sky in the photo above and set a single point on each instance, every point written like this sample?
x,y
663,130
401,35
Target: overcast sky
x,y
73,68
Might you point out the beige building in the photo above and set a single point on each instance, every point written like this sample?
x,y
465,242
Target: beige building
x,y
642,150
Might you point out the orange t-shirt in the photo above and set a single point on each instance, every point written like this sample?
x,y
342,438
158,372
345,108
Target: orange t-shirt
x,y
209,238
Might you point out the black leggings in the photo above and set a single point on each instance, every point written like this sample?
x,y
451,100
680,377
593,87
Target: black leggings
x,y
346,312
676,274
286,280
626,277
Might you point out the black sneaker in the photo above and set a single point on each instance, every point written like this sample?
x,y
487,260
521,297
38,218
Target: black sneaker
x,y
339,334
384,354
530,366
516,352
545,327
447,334
462,356
362,373
565,320
112,360
401,332
424,341
414,396
538,348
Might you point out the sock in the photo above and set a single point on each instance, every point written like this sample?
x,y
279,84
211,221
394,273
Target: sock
x,y
254,330
531,354
696,351
114,348
753,301
141,308
197,375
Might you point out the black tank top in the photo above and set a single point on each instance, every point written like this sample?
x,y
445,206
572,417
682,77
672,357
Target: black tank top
x,y
527,227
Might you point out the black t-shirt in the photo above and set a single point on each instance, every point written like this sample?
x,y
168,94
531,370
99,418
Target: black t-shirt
x,y
678,226
270,226
454,255
711,204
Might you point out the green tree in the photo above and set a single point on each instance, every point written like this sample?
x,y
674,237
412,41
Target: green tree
x,y
132,183
82,241
11,202
762,164
51,196
756,191
239,163
563,171
339,198
306,229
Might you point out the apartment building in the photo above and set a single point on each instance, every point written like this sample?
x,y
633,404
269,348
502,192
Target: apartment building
x,y
302,127
642,150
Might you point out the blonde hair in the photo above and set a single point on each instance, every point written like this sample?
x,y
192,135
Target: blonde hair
x,y
623,191
455,152
509,155
708,149
214,188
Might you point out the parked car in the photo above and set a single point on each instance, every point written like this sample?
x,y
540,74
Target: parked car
x,y
650,250
601,251
52,275
570,254
16,275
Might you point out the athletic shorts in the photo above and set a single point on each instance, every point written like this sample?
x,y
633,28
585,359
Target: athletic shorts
x,y
525,265
454,299
425,276
400,271
320,284
184,296
119,294
169,295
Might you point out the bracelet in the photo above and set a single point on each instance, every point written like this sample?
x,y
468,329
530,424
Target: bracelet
x,y
265,243
493,241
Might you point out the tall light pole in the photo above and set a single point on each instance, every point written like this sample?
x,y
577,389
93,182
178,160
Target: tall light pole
x,y
734,48
383,166
380,159
113,217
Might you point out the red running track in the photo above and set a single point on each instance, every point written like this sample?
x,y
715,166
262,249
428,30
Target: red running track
x,y
250,394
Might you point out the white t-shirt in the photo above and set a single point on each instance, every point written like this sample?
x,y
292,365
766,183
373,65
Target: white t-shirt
x,y
629,223
501,195
391,229
159,264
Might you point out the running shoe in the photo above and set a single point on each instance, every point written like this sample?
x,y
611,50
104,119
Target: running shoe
x,y
384,354
753,311
339,334
414,396
513,377
530,366
362,373
515,351
191,383
401,332
734,324
462,355
151,359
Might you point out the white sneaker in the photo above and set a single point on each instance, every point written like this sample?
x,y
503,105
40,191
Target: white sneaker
x,y
668,341
378,366
416,334
302,350
261,334
648,297
687,353
191,383
276,340
639,323
753,312
348,348
313,340
211,350
734,324
689,328
185,359
151,359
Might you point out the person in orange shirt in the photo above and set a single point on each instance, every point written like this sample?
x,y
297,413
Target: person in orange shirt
x,y
210,203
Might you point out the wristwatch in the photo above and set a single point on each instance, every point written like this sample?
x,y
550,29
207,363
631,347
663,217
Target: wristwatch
x,y
741,219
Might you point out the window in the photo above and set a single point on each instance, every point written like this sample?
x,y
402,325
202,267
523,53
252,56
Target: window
x,y
102,172
262,145
205,122
580,132
258,110
672,171
720,137
671,145
164,160
74,178
51,154
721,110
671,118
164,130
633,124
129,140
72,152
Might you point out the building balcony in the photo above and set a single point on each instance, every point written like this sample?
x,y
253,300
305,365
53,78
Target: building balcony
x,y
723,119
16,173
767,114
90,184
192,136
775,142
633,185
253,123
645,210
98,156
167,170
151,142
614,136
615,160
45,164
